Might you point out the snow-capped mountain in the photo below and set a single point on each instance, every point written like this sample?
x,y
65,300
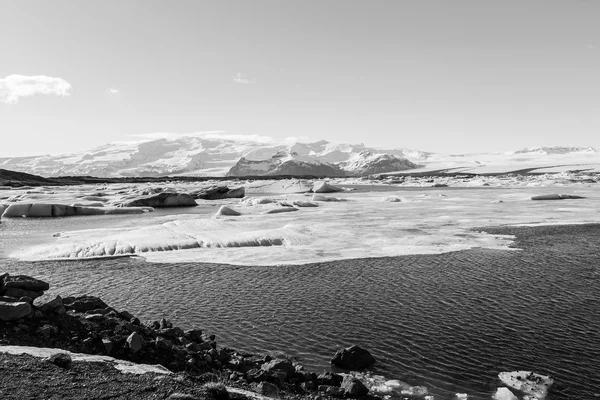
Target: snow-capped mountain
x,y
198,155
556,150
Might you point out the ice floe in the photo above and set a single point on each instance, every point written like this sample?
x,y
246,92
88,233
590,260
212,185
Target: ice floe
x,y
533,385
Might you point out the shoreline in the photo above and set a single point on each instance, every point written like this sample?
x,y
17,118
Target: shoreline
x,y
530,235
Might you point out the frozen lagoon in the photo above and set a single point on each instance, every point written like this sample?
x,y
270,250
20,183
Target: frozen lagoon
x,y
364,223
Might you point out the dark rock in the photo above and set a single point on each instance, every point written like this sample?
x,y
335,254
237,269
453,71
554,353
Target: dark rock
x,y
333,391
62,360
330,378
18,293
279,365
109,345
127,316
14,310
135,342
268,389
164,324
98,318
256,375
84,303
195,335
25,283
26,299
352,358
192,347
162,343
216,391
353,387
308,386
52,305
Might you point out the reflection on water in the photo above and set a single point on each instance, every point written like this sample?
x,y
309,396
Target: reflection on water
x,y
450,322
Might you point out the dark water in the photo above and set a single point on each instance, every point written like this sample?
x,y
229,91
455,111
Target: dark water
x,y
450,322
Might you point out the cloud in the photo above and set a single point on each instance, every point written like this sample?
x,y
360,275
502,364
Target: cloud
x,y
217,135
243,79
113,91
15,86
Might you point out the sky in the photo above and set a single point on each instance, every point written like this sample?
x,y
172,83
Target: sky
x,y
446,76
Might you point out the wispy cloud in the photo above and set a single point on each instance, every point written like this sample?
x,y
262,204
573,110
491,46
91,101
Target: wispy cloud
x,y
216,135
15,86
113,91
243,79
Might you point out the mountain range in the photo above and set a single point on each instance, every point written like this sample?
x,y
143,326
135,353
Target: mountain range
x,y
195,155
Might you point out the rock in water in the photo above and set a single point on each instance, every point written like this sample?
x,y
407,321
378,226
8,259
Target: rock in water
x,y
324,187
352,358
353,387
504,394
161,200
24,282
14,310
527,382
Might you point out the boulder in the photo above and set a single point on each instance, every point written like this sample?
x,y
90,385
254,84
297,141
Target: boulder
x,y
324,187
25,283
226,211
218,193
330,379
279,365
52,305
62,360
84,303
135,342
352,358
18,293
165,199
556,197
268,389
353,387
14,310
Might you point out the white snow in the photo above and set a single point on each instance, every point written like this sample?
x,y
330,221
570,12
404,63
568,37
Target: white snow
x,y
360,226
210,155
125,367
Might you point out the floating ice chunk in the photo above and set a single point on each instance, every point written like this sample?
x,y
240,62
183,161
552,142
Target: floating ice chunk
x,y
392,199
527,382
324,187
226,211
504,394
461,396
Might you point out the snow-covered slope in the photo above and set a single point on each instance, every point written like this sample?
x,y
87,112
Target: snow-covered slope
x,y
198,155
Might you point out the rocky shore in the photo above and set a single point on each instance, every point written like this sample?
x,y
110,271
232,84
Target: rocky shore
x,y
88,325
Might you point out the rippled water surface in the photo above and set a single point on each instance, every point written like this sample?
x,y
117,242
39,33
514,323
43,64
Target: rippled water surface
x,y
450,321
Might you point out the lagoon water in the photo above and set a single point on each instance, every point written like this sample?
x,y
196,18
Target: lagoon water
x,y
449,321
